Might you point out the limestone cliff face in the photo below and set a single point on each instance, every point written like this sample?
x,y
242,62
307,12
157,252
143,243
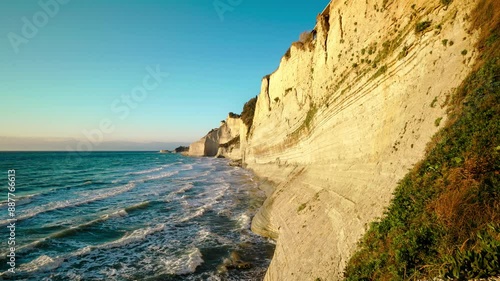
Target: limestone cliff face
x,y
221,142
206,146
229,142
343,118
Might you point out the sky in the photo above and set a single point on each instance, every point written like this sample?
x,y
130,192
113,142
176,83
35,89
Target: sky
x,y
87,72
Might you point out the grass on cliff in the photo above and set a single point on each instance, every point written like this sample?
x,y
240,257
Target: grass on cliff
x,y
306,125
444,219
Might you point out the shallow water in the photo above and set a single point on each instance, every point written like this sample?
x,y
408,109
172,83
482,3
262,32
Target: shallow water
x,y
130,216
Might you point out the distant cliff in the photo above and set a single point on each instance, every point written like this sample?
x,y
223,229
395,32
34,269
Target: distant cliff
x,y
223,141
350,109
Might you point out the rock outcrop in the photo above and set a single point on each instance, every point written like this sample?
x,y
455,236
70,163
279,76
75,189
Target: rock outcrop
x,y
207,145
229,141
221,142
348,111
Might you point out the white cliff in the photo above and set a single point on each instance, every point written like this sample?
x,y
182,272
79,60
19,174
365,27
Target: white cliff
x,y
346,114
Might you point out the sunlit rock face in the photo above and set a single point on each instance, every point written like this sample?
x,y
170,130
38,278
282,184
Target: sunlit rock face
x,y
349,110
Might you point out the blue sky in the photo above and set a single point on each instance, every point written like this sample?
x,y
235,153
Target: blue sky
x,y
88,54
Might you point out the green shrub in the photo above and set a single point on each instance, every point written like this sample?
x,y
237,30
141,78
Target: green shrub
x,y
234,115
446,2
477,263
301,207
380,71
438,121
248,112
464,52
421,26
404,52
445,42
434,101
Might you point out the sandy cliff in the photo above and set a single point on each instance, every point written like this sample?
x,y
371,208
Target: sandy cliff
x,y
349,110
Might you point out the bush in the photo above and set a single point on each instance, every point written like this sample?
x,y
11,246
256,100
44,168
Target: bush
x,y
248,112
421,26
181,149
438,121
306,37
234,115
301,207
480,263
380,71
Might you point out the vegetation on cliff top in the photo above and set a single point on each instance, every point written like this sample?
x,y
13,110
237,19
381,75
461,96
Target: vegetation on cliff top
x,y
234,115
444,219
248,112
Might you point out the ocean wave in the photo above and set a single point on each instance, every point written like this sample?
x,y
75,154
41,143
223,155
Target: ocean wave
x,y
42,262
197,213
149,171
72,203
135,236
75,229
47,263
137,206
204,236
179,191
203,202
183,265
21,200
244,221
157,177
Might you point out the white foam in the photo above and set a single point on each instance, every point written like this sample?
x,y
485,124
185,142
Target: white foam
x,y
185,264
205,235
120,213
183,189
197,213
204,201
42,261
145,171
134,236
244,221
160,176
187,167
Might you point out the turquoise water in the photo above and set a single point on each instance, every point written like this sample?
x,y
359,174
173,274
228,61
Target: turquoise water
x,y
130,216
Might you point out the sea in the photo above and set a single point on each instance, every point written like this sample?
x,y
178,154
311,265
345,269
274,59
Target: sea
x,y
128,216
